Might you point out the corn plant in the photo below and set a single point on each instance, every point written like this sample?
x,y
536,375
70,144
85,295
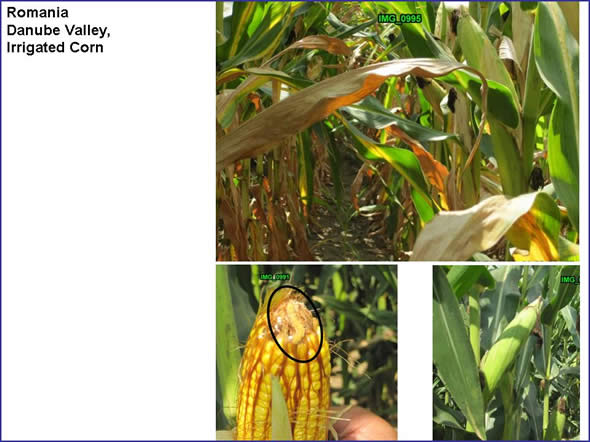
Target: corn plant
x,y
343,137
506,352
350,359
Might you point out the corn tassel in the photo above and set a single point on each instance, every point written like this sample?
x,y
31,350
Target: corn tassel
x,y
503,353
305,386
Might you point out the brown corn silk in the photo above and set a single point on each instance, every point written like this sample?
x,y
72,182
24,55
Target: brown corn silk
x,y
305,386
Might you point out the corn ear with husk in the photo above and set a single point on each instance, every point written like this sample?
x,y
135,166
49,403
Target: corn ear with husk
x,y
504,352
305,385
557,421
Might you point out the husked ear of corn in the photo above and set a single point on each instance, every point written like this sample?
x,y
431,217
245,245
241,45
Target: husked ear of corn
x,y
305,385
503,353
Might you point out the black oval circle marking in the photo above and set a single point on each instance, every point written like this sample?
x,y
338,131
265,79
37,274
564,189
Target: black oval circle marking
x,y
317,353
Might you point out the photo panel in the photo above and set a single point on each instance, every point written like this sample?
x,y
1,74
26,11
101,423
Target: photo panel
x,y
396,131
306,352
506,352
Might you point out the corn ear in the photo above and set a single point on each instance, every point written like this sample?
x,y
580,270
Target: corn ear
x,y
305,386
557,421
474,324
503,353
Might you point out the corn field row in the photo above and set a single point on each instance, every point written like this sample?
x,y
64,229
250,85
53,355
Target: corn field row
x,y
341,137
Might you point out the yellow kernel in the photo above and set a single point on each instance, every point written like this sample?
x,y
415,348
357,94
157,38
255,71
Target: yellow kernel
x,y
313,399
290,371
269,346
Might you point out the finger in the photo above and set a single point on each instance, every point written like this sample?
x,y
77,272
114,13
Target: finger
x,y
361,424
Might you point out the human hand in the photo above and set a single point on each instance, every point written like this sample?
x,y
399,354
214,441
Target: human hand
x,y
361,424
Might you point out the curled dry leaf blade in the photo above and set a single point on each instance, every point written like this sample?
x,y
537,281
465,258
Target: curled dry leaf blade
x,y
457,235
332,45
507,54
316,102
259,76
228,99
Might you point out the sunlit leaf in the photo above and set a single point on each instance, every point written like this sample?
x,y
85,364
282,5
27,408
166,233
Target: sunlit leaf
x,y
457,235
480,53
538,230
556,55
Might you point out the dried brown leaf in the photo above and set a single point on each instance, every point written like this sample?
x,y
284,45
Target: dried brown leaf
x,y
331,44
301,110
457,235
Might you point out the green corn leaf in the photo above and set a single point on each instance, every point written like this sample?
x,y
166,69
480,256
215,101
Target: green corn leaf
x,y
498,306
423,205
568,251
345,30
501,104
523,364
343,307
556,55
444,415
570,316
372,113
220,35
453,354
534,410
563,159
506,153
530,112
565,293
227,345
242,14
462,278
404,161
264,39
244,313
481,54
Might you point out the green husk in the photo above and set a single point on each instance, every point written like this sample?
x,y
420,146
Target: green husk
x,y
557,421
474,323
280,426
503,353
